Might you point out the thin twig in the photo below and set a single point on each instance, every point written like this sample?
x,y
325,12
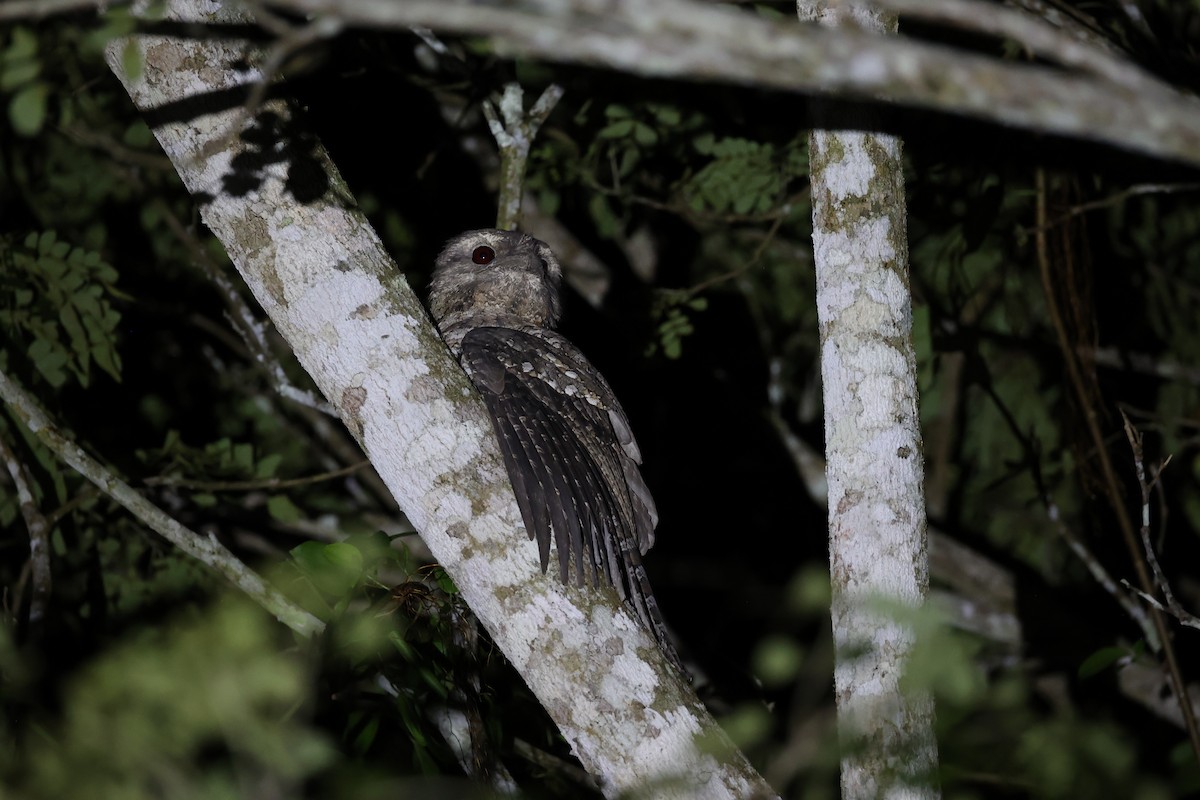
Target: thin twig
x,y
251,486
1185,618
206,549
739,271
1165,369
1171,606
1137,190
84,494
39,532
1112,487
1101,575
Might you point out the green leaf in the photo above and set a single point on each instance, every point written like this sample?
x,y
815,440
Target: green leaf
x,y
1101,660
24,44
268,466
667,116
17,74
617,130
344,556
108,360
243,458
334,569
50,360
79,340
602,216
748,725
281,507
131,59
629,160
444,581
777,660
644,135
27,109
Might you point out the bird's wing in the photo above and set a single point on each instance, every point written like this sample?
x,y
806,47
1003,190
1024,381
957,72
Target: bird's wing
x,y
567,448
572,460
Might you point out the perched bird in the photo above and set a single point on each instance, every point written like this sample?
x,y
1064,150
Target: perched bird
x,y
567,445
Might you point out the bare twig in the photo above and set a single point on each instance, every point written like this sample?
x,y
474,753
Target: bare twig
x,y
1171,606
1165,369
206,549
1113,199
514,130
250,486
1185,618
739,271
1101,575
1112,488
39,532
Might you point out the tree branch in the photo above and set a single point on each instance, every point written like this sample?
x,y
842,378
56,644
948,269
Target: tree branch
x,y
695,40
39,532
204,548
1112,102
1172,606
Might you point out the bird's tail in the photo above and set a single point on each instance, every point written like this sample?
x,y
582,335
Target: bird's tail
x,y
640,598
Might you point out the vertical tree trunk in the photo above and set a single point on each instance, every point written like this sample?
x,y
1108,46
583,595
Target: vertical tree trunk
x,y
877,538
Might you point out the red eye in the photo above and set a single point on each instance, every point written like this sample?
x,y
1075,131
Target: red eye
x,y
483,255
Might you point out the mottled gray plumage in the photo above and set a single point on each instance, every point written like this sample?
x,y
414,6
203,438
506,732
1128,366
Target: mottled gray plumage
x,y
567,445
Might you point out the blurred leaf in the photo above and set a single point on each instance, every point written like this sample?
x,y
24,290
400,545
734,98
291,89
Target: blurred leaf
x,y
131,59
1101,660
27,109
282,508
777,660
334,569
268,466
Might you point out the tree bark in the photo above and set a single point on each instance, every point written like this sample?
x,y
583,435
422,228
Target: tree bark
x,y
879,563
323,277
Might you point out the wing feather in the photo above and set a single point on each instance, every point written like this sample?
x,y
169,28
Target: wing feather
x,y
572,459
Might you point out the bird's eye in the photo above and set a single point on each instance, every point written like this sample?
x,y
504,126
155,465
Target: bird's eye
x,y
483,255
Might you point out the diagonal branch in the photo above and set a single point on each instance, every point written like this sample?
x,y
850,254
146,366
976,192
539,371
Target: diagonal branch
x,y
204,548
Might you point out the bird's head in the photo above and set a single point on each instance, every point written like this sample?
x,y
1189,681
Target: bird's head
x,y
495,278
